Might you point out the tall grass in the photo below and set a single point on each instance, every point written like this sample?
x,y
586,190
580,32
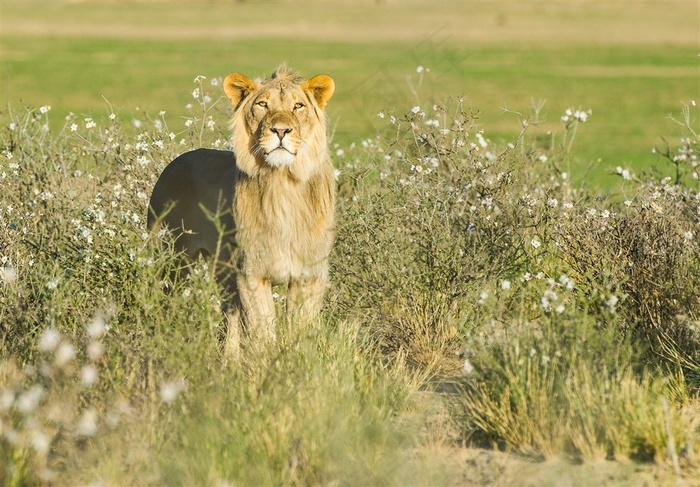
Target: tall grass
x,y
566,325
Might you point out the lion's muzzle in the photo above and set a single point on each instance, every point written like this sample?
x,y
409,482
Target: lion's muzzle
x,y
280,139
281,131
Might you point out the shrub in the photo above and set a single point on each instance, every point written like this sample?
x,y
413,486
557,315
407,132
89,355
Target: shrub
x,y
424,230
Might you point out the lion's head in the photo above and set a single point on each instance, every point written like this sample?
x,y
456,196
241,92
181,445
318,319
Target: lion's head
x,y
278,123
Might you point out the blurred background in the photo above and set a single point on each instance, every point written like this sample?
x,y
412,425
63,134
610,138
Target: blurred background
x,y
631,63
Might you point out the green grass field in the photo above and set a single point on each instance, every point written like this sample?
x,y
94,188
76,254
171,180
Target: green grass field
x,y
491,320
631,65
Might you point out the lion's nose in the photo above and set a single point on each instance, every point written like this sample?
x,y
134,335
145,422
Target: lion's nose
x,y
281,131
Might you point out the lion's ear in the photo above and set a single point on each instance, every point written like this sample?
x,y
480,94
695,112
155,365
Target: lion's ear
x,y
237,87
321,88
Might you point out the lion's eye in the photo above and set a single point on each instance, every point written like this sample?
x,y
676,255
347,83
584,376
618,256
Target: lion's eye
x,y
262,104
298,106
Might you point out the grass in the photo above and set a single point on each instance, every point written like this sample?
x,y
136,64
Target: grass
x,y
453,253
480,296
135,61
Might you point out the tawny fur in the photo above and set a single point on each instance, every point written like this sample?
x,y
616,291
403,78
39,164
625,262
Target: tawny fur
x,y
273,198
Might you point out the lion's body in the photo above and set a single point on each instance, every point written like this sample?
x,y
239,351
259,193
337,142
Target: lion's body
x,y
270,204
202,176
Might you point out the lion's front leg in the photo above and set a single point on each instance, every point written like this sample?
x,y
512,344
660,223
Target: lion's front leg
x,y
305,297
258,307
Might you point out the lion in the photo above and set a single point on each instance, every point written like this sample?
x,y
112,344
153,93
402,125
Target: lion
x,y
265,211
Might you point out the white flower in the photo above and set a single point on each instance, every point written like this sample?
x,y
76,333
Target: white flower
x,y
64,354
90,123
88,375
543,158
97,327
44,109
656,207
420,69
30,399
381,115
74,127
467,367
567,282
581,116
505,285
40,442
49,340
415,109
87,424
94,351
623,172
170,390
611,303
8,274
535,242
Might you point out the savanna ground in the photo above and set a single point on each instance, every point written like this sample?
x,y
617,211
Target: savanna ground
x,y
515,282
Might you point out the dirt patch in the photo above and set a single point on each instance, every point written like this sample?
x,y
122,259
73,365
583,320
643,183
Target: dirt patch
x,y
492,468
454,463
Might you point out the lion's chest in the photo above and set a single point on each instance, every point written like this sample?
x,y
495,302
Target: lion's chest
x,y
282,232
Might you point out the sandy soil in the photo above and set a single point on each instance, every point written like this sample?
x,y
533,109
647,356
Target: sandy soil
x,y
455,464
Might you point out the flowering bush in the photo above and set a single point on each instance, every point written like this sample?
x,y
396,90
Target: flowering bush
x,y
77,266
464,254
